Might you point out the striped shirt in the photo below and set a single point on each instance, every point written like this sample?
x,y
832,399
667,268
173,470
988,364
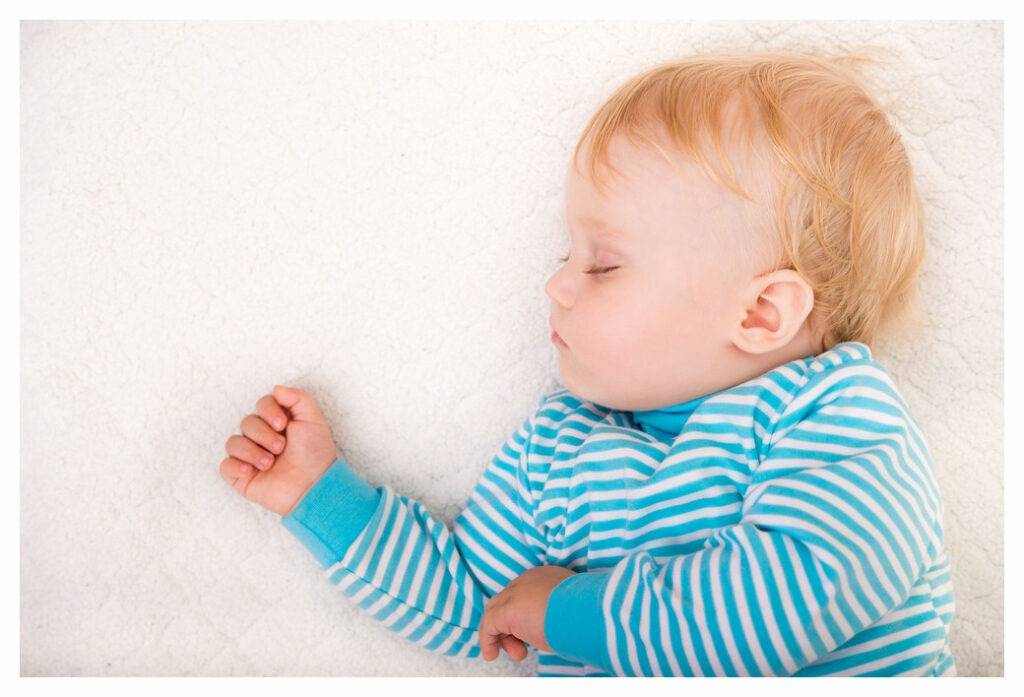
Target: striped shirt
x,y
789,525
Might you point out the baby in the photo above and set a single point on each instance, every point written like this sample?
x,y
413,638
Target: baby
x,y
728,483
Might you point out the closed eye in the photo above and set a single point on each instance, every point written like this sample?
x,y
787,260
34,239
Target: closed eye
x,y
594,270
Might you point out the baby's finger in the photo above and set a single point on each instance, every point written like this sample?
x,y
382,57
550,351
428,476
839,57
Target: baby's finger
x,y
260,432
489,642
237,473
514,647
241,448
272,412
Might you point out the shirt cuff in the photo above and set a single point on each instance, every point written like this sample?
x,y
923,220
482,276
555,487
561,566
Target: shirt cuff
x,y
574,624
333,512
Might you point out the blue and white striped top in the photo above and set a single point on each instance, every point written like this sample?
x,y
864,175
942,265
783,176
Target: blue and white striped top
x,y
789,525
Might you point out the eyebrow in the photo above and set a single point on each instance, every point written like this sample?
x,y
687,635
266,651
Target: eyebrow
x,y
601,226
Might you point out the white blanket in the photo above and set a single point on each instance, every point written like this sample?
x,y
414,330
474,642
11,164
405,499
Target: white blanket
x,y
369,210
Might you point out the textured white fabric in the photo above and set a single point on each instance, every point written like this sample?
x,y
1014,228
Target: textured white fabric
x,y
369,210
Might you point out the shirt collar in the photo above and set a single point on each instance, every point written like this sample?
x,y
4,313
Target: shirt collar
x,y
667,422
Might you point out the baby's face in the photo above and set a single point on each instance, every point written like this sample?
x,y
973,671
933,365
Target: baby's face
x,y
652,331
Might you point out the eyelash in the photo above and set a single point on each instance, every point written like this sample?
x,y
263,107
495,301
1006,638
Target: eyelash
x,y
595,270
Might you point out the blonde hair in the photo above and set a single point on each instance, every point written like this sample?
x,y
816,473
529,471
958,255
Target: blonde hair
x,y
848,215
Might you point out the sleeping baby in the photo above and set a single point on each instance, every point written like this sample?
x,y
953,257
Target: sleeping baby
x,y
727,481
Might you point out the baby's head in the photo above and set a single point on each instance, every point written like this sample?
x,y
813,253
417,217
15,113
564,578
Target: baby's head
x,y
814,235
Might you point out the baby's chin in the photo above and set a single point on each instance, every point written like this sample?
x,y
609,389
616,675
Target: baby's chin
x,y
588,387
597,397
585,388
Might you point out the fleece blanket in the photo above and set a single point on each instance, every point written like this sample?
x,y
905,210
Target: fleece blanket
x,y
369,210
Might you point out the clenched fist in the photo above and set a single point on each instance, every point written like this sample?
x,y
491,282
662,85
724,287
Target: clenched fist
x,y
282,451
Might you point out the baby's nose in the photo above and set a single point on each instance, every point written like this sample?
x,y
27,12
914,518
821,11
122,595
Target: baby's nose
x,y
557,290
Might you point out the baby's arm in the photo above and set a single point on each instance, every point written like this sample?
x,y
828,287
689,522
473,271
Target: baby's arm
x,y
840,520
403,566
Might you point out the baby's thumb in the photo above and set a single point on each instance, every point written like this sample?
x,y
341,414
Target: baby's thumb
x,y
300,403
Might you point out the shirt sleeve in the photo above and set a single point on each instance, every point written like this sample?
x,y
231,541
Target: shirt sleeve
x,y
839,520
403,566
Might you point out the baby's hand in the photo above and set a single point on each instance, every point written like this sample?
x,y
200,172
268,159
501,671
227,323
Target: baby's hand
x,y
301,442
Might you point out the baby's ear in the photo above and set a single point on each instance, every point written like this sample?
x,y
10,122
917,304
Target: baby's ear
x,y
774,308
